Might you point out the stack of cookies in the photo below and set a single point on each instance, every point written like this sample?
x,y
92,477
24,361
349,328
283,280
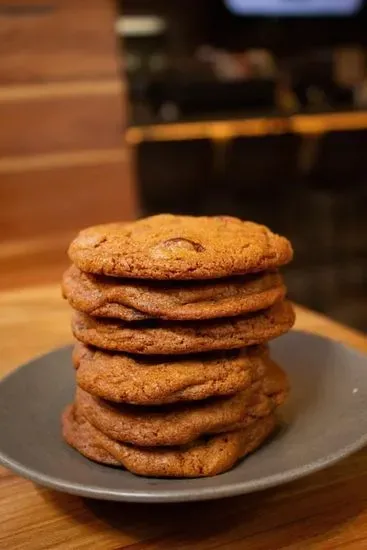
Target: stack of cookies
x,y
172,319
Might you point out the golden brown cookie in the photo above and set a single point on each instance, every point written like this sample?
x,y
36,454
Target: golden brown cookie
x,y
275,382
169,337
206,457
94,294
128,300
143,380
81,435
179,247
183,423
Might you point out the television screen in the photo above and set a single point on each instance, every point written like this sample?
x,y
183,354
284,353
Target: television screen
x,y
277,8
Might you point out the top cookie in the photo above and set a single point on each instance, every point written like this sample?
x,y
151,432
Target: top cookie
x,y
179,247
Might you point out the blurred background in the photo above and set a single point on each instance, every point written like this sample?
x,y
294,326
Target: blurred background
x,y
252,108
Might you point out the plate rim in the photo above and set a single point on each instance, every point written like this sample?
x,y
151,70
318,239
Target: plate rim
x,y
183,495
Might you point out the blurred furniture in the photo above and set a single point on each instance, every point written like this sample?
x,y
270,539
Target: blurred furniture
x,y
174,176
340,160
283,103
262,172
336,183
262,165
304,514
63,162
331,250
203,97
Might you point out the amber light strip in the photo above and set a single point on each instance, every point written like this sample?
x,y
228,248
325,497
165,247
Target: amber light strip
x,y
329,122
88,157
300,124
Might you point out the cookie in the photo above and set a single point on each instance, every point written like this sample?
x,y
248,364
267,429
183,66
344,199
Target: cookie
x,y
183,423
206,457
81,435
170,247
142,380
275,383
128,300
94,294
169,337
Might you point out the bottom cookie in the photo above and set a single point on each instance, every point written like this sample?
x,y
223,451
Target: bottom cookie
x,y
205,457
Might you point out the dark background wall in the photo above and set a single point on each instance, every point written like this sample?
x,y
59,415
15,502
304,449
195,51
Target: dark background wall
x,y
308,181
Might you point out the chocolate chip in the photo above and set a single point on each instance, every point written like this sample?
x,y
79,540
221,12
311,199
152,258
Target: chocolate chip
x,y
101,241
186,244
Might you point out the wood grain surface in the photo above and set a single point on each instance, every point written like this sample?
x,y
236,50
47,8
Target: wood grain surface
x,y
64,123
57,196
325,511
63,117
55,40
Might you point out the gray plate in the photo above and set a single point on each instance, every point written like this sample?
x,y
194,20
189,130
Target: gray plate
x,y
325,420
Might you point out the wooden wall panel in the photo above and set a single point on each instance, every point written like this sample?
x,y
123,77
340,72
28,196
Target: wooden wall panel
x,y
49,201
63,159
47,40
63,123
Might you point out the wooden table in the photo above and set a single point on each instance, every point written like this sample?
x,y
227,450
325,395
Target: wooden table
x,y
327,510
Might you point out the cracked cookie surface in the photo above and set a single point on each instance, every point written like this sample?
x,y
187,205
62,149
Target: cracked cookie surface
x,y
179,247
